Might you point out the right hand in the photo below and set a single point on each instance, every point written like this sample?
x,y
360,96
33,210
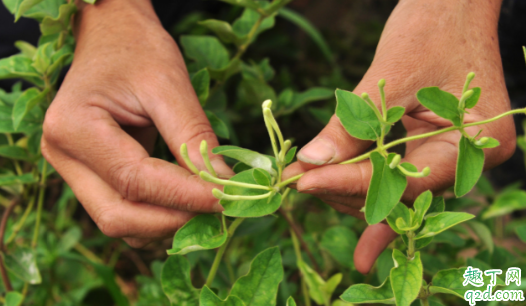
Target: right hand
x,y
128,80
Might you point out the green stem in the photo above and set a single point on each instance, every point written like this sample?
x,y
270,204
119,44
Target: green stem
x,y
20,223
297,251
407,139
15,162
425,302
250,36
411,245
42,190
204,154
184,153
209,178
221,251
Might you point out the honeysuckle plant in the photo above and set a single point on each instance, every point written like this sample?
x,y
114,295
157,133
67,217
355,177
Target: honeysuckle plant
x,y
299,267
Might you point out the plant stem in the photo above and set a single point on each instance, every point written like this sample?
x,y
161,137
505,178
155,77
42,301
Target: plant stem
x,y
41,193
425,302
297,251
410,245
22,220
221,251
209,178
15,162
250,36
3,224
288,217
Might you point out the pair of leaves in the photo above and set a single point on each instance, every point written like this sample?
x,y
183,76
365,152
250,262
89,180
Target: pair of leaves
x,y
401,286
445,104
250,208
25,103
319,290
358,117
403,219
238,32
208,52
53,25
20,67
203,232
258,287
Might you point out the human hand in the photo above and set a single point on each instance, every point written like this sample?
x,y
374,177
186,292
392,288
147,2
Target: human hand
x,y
424,43
128,80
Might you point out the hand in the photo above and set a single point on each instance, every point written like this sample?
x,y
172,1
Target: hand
x,y
425,43
128,81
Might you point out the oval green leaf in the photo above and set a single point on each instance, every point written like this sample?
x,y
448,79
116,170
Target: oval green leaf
x,y
470,163
356,116
406,278
439,222
176,282
203,232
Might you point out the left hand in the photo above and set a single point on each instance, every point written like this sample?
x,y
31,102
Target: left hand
x,y
425,43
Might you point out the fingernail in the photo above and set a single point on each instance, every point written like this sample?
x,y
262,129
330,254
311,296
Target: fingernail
x,y
223,171
310,190
317,152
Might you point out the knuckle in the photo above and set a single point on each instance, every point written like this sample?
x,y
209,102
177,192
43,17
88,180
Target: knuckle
x,y
126,178
199,131
136,243
53,126
109,225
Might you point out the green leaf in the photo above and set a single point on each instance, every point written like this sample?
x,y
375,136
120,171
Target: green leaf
x,y
224,73
470,163
13,298
275,6
340,242
201,83
25,5
252,92
364,293
69,239
356,116
438,205
489,144
262,71
251,158
203,232
60,23
298,100
48,8
441,103
384,264
506,203
439,222
451,282
14,152
209,298
319,290
176,282
395,113
219,127
29,99
28,178
22,262
260,286
245,3
222,29
20,67
399,211
26,48
207,51
406,278
261,177
42,58
304,24
472,101
521,232
483,232
290,155
385,190
291,302
249,208
421,206
244,24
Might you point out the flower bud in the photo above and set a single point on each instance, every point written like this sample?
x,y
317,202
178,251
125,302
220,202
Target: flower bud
x,y
267,104
482,141
396,161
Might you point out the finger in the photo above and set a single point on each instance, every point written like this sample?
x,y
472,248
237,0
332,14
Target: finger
x,y
138,243
182,120
115,216
332,145
124,164
373,241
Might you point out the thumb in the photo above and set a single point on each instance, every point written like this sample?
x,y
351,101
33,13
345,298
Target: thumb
x,y
373,241
332,145
182,120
